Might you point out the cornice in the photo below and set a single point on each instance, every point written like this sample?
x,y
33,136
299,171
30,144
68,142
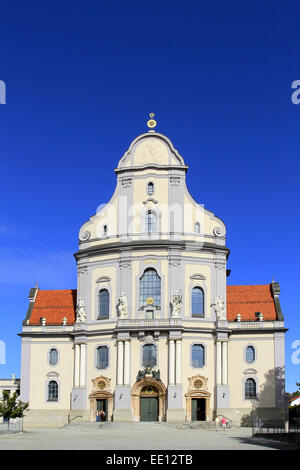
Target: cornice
x,y
146,244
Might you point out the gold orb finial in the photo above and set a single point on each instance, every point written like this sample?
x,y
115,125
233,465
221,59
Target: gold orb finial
x,y
151,123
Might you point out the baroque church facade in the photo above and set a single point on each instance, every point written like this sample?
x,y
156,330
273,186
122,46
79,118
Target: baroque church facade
x,y
153,332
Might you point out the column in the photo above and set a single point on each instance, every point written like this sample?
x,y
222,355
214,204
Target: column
x,y
224,363
77,365
82,364
120,363
126,362
219,359
178,362
171,361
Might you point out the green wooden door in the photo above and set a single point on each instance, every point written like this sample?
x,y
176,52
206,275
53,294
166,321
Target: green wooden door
x,y
194,409
149,409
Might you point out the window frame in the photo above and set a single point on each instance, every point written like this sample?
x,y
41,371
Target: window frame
x,y
99,316
247,379
198,315
48,356
52,400
155,348
154,222
56,357
97,354
245,353
192,346
143,305
152,186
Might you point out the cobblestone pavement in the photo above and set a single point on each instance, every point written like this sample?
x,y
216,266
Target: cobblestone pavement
x,y
139,436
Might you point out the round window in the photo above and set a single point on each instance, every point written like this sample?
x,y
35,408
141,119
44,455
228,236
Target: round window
x,y
197,384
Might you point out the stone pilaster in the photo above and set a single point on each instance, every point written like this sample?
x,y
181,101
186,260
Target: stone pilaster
x,y
122,405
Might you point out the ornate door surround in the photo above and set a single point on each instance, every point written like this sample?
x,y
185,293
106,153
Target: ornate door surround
x,y
140,389
197,389
101,391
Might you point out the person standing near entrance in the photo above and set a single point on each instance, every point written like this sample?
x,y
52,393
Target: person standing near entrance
x,y
102,414
224,422
97,416
217,421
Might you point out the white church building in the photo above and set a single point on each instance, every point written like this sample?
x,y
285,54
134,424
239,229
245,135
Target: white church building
x,y
153,332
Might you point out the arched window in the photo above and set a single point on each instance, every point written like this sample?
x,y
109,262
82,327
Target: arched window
x,y
197,227
52,391
250,388
102,357
150,288
197,302
149,355
105,230
250,354
197,355
150,188
53,356
151,222
103,304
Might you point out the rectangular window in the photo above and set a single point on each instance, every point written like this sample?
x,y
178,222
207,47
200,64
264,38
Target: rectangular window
x,y
103,304
149,355
52,391
102,357
197,355
197,302
150,287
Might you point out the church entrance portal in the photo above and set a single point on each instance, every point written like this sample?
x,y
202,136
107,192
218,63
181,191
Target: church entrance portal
x,y
198,409
148,400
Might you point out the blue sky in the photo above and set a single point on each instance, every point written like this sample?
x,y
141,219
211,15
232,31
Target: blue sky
x,y
81,78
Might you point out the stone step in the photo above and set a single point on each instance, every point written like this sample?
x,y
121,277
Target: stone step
x,y
143,424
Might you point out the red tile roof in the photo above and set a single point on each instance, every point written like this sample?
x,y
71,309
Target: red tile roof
x,y
54,305
247,300
294,398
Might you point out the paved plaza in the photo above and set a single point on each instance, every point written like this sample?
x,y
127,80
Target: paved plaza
x,y
139,436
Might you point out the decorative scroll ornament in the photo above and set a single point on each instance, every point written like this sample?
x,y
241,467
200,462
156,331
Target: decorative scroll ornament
x,y
197,382
101,383
80,312
218,231
175,180
219,306
85,235
122,306
176,304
